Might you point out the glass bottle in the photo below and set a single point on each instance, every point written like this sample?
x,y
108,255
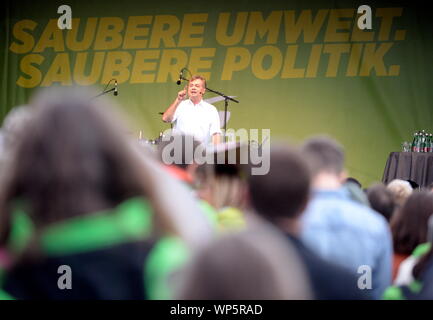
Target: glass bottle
x,y
414,142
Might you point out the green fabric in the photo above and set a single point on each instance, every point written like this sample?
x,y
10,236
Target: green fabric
x,y
421,249
168,255
415,286
396,293
132,219
129,221
393,293
21,231
5,296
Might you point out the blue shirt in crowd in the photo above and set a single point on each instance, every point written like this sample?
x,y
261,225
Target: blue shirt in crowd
x,y
350,234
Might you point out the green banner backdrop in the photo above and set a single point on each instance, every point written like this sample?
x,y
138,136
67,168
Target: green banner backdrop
x,y
298,68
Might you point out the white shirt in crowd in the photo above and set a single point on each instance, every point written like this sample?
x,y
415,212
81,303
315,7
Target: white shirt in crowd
x,y
200,120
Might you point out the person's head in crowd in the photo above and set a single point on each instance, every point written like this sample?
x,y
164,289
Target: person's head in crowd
x,y
256,264
221,186
381,199
73,160
401,190
223,183
177,150
409,224
413,184
282,195
325,158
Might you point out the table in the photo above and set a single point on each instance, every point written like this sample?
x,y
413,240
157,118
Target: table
x,y
414,166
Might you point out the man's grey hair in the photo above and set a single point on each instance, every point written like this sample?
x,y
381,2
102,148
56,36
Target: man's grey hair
x,y
401,190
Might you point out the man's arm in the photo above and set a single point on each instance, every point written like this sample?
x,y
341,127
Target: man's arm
x,y
169,113
216,138
215,127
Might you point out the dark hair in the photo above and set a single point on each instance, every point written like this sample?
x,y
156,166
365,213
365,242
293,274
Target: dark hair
x,y
413,184
423,263
223,183
381,200
72,161
426,260
409,223
324,154
284,191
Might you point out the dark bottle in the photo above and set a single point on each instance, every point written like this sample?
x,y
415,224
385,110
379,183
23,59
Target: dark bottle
x,y
430,146
414,142
422,142
419,142
427,143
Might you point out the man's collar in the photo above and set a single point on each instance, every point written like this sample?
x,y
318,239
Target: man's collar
x,y
200,102
340,192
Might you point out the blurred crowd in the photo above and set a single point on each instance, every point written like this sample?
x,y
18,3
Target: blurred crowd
x,y
78,193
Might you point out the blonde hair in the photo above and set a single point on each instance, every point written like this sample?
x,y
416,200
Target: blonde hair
x,y
221,190
228,191
400,190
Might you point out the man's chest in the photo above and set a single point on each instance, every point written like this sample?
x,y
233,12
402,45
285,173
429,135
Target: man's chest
x,y
195,116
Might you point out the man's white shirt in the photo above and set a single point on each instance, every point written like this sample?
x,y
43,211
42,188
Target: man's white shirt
x,y
200,120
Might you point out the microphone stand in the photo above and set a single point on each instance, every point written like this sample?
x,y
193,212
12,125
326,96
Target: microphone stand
x,y
226,104
102,93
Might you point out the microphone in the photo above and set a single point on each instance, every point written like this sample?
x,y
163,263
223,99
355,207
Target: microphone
x,y
115,88
180,77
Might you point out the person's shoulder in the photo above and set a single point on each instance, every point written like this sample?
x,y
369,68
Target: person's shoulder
x,y
329,280
345,210
341,200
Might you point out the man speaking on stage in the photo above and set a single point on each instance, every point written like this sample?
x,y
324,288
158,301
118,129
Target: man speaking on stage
x,y
194,116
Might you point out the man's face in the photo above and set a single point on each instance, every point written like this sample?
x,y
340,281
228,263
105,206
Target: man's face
x,y
196,88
